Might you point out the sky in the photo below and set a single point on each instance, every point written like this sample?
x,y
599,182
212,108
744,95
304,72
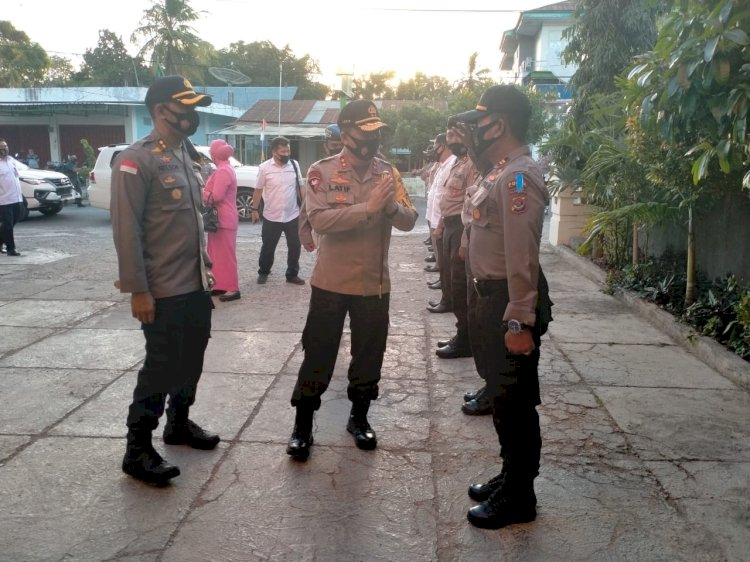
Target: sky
x,y
435,37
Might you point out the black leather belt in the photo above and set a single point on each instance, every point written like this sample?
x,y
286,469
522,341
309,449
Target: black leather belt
x,y
487,287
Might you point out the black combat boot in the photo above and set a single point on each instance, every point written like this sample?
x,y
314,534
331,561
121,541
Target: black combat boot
x,y
182,431
302,435
364,435
480,492
506,505
141,461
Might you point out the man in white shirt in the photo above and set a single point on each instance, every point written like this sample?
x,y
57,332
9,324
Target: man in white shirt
x,y
11,199
278,185
445,159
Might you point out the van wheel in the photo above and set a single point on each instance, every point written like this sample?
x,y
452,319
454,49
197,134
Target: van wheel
x,y
245,203
49,211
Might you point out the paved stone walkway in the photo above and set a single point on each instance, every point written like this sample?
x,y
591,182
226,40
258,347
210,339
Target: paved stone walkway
x,y
646,451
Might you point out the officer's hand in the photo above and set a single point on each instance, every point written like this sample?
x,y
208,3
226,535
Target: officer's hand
x,y
142,307
309,246
462,253
210,279
519,344
381,194
255,217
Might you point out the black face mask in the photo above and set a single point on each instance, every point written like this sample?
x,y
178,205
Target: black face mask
x,y
3,152
365,149
457,148
191,117
284,158
477,135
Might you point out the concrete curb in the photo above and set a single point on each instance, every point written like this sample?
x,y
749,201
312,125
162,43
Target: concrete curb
x,y
708,350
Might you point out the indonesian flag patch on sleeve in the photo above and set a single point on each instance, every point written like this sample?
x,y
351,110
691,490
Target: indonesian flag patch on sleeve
x,y
129,166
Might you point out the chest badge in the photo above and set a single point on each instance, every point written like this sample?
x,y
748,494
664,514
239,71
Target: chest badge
x,y
176,194
477,214
340,198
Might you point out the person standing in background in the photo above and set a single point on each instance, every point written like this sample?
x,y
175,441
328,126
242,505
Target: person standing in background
x,y
278,185
221,191
11,199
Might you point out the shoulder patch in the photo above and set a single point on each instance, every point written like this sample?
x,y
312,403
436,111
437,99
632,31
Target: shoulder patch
x,y
129,167
314,180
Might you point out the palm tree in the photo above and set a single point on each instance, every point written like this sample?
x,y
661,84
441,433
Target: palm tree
x,y
171,44
476,79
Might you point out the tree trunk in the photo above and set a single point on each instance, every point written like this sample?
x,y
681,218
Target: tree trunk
x,y
635,244
690,286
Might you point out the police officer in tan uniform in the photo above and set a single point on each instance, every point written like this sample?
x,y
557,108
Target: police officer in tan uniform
x,y
511,302
163,264
461,175
353,202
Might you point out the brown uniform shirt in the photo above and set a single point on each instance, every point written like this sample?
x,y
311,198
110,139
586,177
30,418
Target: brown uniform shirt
x,y
156,222
353,253
461,175
505,223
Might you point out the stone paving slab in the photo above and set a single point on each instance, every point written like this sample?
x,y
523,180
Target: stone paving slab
x,y
342,504
15,337
82,507
676,423
249,352
623,328
226,401
34,399
48,314
635,365
82,349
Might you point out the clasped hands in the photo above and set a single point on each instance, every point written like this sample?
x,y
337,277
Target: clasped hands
x,y
381,195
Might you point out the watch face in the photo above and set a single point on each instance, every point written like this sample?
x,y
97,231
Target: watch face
x,y
514,326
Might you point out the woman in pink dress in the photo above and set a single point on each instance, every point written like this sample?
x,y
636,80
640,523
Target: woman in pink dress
x,y
221,190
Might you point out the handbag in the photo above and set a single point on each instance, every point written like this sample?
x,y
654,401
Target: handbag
x,y
210,216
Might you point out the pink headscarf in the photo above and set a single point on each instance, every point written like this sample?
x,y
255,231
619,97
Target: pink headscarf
x,y
220,151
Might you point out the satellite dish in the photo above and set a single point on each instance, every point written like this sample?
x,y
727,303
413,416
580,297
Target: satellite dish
x,y
228,75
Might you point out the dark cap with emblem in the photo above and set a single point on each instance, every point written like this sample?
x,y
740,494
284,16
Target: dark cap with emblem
x,y
176,89
503,98
361,114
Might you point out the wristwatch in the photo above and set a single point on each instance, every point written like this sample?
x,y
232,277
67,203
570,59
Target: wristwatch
x,y
515,327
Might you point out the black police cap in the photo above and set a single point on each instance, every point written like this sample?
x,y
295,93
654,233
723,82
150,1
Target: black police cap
x,y
503,98
175,88
361,114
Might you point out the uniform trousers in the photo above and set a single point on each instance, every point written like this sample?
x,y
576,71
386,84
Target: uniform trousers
x,y
455,277
512,381
9,215
175,346
368,320
270,235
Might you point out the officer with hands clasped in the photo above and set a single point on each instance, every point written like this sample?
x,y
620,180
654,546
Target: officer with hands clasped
x,y
352,201
158,234
509,306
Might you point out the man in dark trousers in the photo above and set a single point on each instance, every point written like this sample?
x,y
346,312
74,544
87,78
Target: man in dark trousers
x,y
352,201
279,186
163,264
510,307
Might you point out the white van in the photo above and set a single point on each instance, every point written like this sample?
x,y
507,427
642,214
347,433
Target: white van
x,y
100,179
45,191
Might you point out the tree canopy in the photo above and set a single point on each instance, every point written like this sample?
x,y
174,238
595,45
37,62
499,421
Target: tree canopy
x,y
24,63
171,43
109,64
